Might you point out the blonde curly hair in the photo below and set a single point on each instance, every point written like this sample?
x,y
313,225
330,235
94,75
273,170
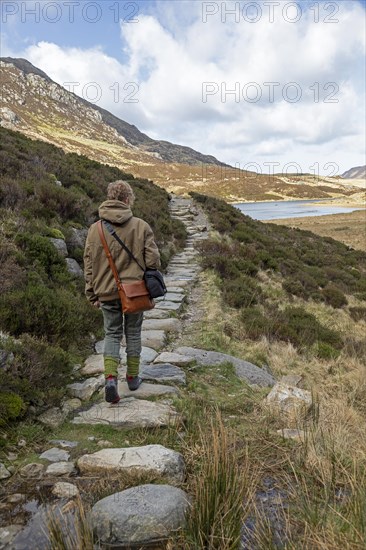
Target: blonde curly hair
x,y
121,191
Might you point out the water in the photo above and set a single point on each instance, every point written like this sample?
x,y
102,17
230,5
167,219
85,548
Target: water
x,y
290,209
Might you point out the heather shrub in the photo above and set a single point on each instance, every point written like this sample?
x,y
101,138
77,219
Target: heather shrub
x,y
12,407
334,297
241,292
37,374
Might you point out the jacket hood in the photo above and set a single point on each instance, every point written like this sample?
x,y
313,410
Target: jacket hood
x,y
115,211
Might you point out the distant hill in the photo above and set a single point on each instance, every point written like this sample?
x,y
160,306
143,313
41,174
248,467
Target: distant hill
x,y
355,173
33,104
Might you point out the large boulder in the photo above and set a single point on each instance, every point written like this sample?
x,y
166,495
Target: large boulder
x,y
152,459
141,515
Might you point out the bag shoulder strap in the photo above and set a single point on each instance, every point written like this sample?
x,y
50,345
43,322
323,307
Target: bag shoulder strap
x,y
112,231
108,254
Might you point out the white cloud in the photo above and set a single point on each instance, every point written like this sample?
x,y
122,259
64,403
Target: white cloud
x,y
171,53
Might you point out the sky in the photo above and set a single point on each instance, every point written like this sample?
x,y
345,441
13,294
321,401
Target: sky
x,y
266,85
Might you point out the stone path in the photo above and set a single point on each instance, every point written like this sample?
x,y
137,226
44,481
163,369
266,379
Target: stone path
x,y
159,509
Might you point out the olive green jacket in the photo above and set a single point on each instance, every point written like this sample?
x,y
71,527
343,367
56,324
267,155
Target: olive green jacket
x,y
138,237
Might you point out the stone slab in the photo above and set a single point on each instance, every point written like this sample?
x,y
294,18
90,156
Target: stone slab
x,y
172,297
55,455
147,355
169,306
154,339
146,390
84,390
93,365
168,325
129,413
178,359
163,372
152,459
245,370
156,314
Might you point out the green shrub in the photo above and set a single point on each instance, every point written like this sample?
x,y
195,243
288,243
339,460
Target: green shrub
x,y
37,375
334,297
255,323
11,407
326,351
241,292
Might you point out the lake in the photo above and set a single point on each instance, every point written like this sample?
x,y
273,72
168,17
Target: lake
x,y
289,209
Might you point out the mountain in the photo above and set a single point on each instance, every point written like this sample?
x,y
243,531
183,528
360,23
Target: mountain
x,y
358,172
33,104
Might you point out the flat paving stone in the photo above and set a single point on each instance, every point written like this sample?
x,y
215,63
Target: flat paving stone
x,y
129,413
55,455
163,372
172,297
154,339
153,459
93,365
177,359
156,314
176,289
146,390
169,306
169,325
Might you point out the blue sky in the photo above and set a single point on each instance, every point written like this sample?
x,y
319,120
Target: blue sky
x,y
190,66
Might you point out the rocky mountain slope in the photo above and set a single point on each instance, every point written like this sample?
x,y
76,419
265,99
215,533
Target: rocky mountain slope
x,y
355,173
33,104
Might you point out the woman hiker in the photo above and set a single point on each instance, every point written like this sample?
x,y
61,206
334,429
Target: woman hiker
x,y
101,289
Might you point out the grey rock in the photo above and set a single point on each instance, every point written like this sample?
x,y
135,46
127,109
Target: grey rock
x,y
172,297
93,365
74,268
77,238
293,403
154,339
71,405
4,472
155,314
84,390
245,370
147,355
8,118
7,535
33,470
140,515
64,443
60,246
164,372
36,534
291,379
169,325
60,469
52,418
146,390
129,413
62,489
152,459
169,306
178,359
55,455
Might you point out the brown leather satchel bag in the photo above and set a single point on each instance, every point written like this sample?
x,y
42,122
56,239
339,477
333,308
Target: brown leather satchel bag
x,y
134,296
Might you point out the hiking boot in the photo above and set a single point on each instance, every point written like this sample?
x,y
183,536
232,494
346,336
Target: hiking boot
x,y
133,382
111,389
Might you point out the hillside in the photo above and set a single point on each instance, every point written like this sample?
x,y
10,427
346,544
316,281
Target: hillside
x,y
359,172
33,104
